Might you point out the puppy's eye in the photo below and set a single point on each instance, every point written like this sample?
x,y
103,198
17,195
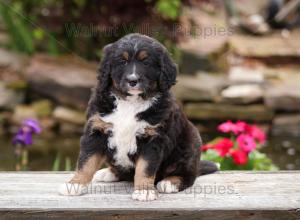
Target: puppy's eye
x,y
145,62
124,62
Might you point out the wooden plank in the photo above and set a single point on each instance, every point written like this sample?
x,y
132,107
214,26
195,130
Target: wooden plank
x,y
224,195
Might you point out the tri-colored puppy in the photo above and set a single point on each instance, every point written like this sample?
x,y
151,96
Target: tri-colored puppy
x,y
135,126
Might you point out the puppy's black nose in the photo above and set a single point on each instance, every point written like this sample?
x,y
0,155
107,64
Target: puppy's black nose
x,y
132,83
132,80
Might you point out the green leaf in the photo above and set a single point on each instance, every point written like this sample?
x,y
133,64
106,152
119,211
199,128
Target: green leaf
x,y
169,8
261,161
211,155
56,163
68,165
52,45
38,33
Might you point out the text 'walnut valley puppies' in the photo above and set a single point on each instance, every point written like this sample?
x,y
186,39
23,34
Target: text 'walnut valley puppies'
x,y
135,126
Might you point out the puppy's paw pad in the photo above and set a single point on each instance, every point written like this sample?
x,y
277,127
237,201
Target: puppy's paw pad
x,y
105,175
72,189
144,195
166,186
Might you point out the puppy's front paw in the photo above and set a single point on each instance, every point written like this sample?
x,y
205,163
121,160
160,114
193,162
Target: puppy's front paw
x,y
145,195
166,186
105,175
72,189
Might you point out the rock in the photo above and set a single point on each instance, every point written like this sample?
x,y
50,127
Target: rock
x,y
284,94
69,115
70,128
9,98
43,108
40,110
242,94
266,46
286,125
211,111
201,39
12,60
202,87
283,98
66,80
22,112
245,75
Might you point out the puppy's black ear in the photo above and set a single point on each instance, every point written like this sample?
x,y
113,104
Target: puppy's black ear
x,y
105,68
168,71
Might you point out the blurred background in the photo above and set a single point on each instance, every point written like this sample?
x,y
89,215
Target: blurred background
x,y
238,60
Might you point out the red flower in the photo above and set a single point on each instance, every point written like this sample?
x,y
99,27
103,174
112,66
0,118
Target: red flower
x,y
246,142
239,157
257,133
205,147
223,146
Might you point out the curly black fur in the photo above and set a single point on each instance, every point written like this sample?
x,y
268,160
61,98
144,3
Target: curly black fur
x,y
174,150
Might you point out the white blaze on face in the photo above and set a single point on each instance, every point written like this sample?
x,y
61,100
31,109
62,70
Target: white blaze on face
x,y
133,76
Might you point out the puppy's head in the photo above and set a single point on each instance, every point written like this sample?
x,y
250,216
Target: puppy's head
x,y
137,65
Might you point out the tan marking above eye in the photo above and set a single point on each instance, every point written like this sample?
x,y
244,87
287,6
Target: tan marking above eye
x,y
125,55
142,55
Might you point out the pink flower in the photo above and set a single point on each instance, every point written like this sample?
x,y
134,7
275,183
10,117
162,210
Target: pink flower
x,y
246,142
257,133
240,126
239,157
229,126
226,127
223,146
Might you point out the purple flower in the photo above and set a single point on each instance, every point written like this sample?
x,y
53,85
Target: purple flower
x,y
33,124
24,134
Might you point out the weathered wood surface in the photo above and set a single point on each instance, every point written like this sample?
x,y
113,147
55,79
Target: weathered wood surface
x,y
224,195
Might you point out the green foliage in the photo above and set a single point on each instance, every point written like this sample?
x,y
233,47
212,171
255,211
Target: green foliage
x,y
73,31
257,161
57,163
17,26
211,155
169,8
260,161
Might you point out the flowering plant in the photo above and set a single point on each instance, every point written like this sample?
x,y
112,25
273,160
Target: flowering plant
x,y
240,151
26,131
22,139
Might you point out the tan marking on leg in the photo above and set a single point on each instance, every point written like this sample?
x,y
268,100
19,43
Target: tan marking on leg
x,y
151,130
98,124
141,179
85,174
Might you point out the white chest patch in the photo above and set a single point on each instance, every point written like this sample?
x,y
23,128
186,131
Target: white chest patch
x,y
126,128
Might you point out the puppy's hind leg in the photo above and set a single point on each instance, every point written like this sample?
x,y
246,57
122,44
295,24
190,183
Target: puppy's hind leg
x,y
171,184
91,158
78,185
105,175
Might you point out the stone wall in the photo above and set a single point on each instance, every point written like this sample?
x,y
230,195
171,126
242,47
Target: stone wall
x,y
56,90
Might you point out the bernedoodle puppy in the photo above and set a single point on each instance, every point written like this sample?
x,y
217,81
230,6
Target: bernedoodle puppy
x,y
135,126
